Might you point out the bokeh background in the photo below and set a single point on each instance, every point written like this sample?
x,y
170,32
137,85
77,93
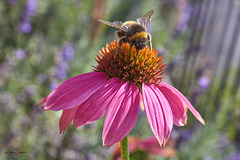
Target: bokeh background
x,y
44,42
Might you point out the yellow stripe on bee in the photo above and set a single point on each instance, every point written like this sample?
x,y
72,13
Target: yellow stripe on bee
x,y
142,34
129,23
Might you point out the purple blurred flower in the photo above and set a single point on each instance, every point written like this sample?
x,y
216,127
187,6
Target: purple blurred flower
x,y
26,94
53,85
63,66
61,74
234,156
161,51
29,11
68,52
31,7
186,134
174,62
30,90
71,154
184,17
181,136
42,78
25,27
35,111
204,82
25,121
20,54
7,102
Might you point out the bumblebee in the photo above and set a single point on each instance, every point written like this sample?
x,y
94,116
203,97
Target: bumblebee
x,y
133,32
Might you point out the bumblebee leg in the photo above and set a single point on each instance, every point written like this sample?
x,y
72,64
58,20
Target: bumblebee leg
x,y
120,34
120,41
150,45
150,41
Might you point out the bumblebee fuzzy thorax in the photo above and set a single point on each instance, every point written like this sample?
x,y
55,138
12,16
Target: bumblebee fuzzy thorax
x,y
127,23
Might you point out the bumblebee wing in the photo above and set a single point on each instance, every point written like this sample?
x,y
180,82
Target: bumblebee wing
x,y
115,24
145,19
119,23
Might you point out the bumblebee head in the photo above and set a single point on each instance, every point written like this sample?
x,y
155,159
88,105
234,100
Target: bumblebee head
x,y
140,44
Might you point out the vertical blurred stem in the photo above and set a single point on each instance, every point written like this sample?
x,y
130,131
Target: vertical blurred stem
x,y
124,148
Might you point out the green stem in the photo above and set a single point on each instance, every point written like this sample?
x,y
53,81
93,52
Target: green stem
x,y
124,148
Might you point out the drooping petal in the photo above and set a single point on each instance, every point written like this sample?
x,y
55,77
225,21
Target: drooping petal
x,y
151,146
184,100
75,91
96,106
42,101
66,118
121,115
158,112
176,104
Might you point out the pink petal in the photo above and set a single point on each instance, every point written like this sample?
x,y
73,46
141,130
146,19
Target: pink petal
x,y
42,101
96,106
121,115
176,104
75,91
184,101
158,112
66,118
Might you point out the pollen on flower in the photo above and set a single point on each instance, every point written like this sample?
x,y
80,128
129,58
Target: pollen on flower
x,y
129,64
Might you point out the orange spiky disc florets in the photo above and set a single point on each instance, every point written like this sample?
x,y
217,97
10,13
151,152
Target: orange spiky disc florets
x,y
129,64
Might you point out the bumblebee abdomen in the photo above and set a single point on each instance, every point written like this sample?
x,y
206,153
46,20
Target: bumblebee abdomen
x,y
137,35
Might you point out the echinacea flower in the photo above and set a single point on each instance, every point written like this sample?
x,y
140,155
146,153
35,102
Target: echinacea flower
x,y
123,78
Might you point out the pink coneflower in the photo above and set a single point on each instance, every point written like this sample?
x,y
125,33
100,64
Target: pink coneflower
x,y
122,79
